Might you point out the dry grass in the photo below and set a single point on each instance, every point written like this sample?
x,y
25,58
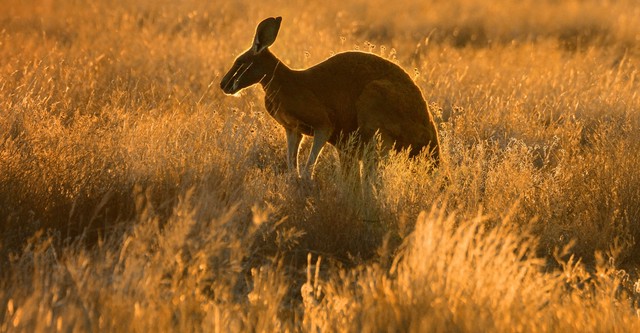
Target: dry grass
x,y
135,196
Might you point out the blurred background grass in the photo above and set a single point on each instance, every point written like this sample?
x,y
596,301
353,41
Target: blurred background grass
x,y
134,195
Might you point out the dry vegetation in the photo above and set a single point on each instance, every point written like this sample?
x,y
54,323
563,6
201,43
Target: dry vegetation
x,y
135,196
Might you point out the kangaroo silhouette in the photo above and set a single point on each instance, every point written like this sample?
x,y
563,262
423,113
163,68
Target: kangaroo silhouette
x,y
351,93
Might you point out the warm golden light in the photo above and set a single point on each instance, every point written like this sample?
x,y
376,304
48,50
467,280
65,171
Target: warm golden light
x,y
136,196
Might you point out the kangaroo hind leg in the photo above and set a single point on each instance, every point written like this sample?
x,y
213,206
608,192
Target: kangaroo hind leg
x,y
375,112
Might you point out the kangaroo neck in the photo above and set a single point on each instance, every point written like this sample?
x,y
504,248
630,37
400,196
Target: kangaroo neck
x,y
275,75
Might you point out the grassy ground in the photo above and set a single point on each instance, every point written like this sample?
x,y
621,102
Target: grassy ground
x,y
135,196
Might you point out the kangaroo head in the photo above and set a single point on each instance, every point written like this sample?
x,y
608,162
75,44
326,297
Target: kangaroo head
x,y
256,63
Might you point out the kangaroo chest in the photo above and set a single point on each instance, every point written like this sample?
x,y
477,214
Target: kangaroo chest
x,y
284,117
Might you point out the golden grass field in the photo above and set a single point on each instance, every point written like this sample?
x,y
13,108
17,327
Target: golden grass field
x,y
136,197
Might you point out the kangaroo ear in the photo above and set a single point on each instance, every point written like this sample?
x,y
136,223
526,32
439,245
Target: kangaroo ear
x,y
266,33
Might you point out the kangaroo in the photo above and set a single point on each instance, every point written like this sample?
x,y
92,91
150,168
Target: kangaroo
x,y
351,93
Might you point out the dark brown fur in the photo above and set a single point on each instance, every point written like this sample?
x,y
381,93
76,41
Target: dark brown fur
x,y
349,93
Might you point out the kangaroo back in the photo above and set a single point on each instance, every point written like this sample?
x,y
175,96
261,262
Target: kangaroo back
x,y
374,94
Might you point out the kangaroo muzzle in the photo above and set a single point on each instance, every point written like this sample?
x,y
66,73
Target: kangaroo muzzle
x,y
233,81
